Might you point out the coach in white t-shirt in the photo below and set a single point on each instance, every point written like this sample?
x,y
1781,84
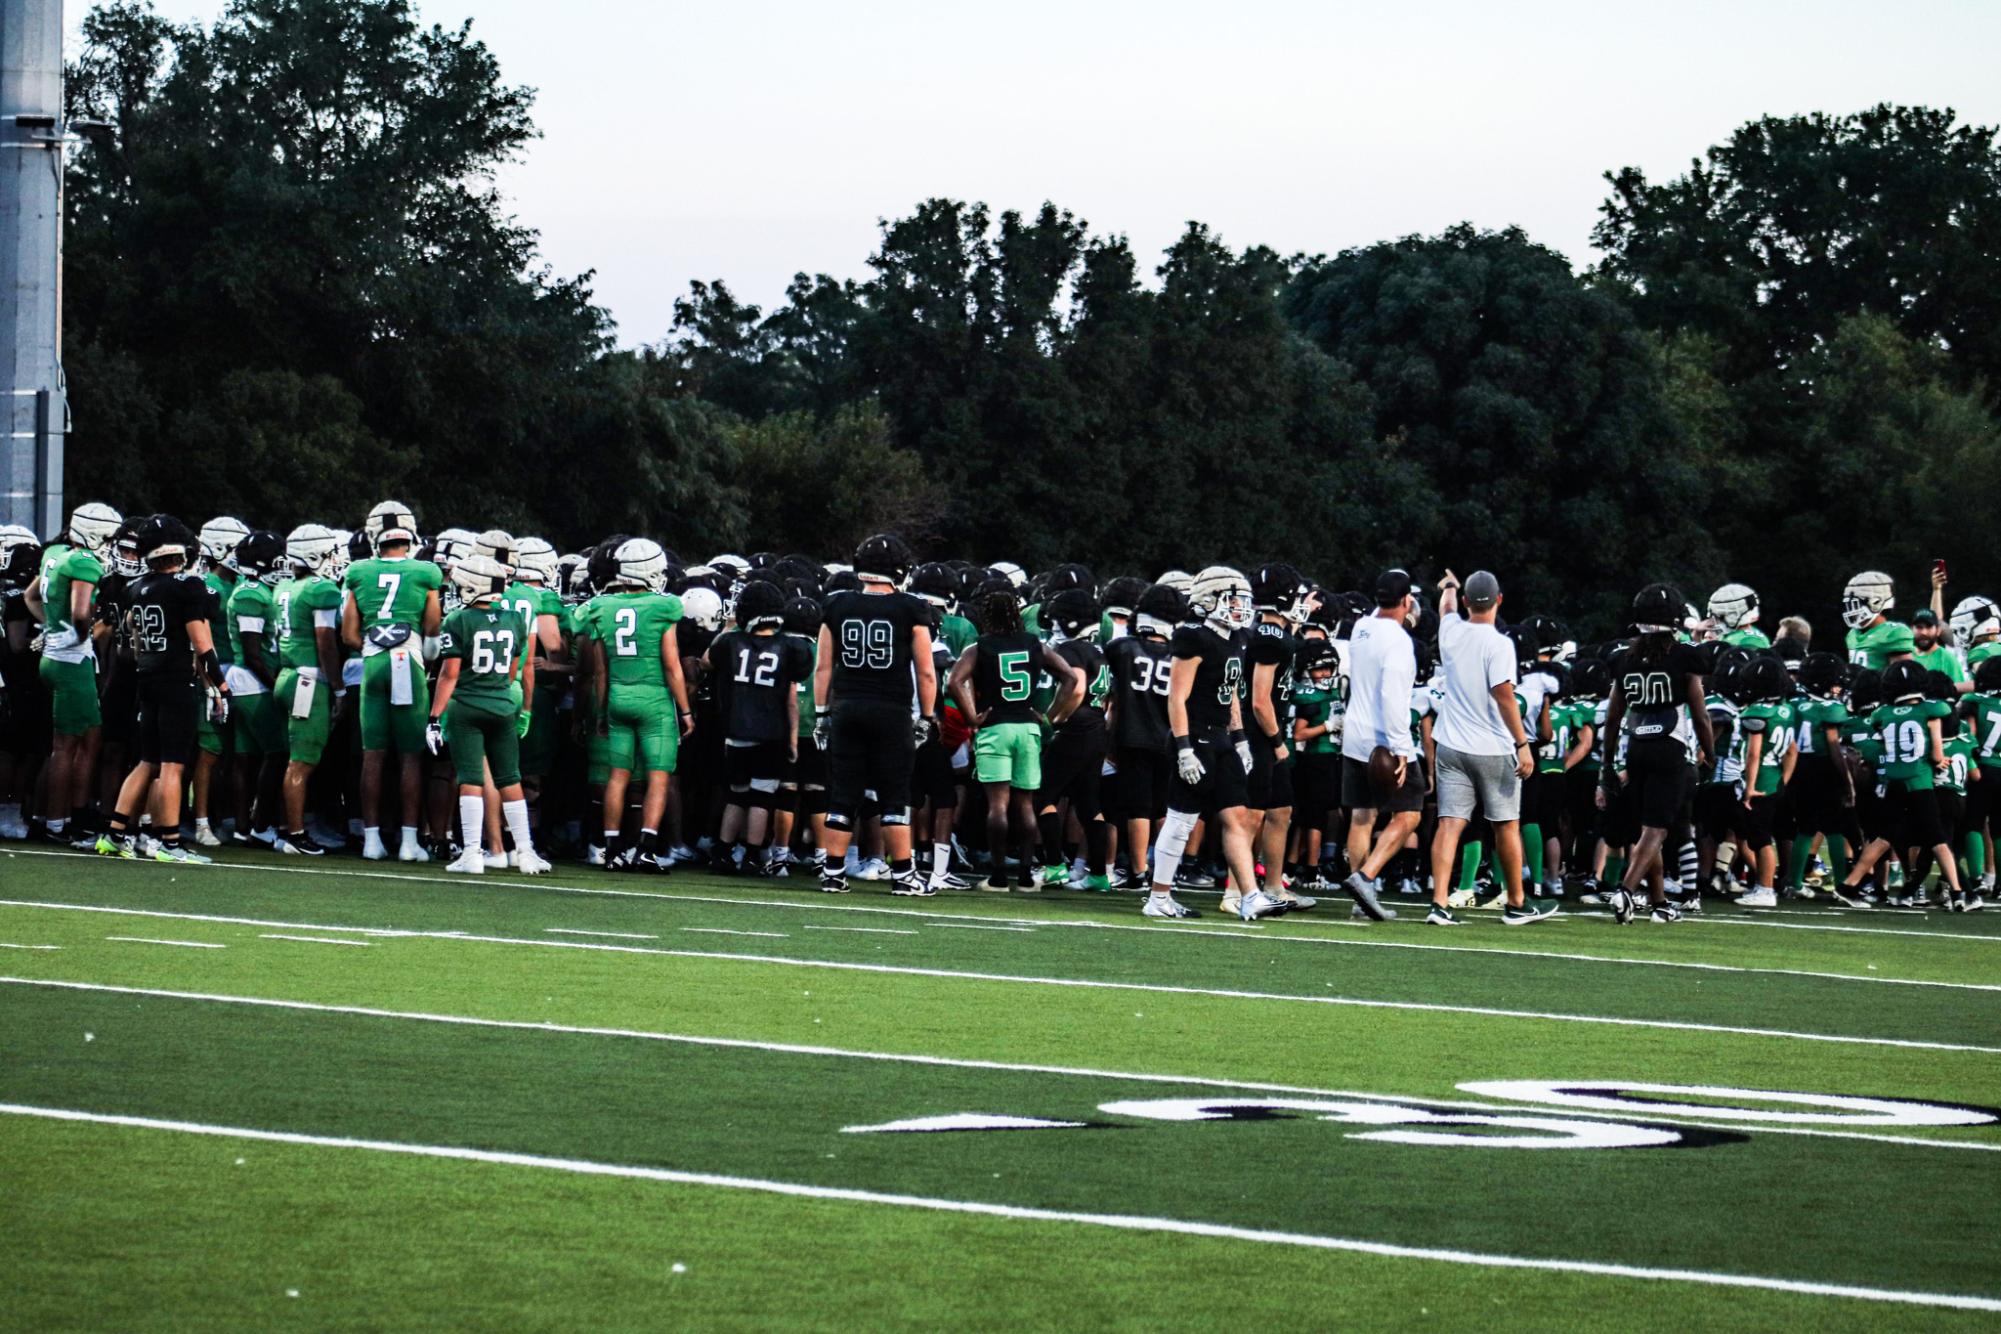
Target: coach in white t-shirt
x,y
1382,669
1484,753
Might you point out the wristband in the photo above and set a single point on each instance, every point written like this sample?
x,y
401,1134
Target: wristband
x,y
1183,743
1237,735
211,667
1525,742
1274,738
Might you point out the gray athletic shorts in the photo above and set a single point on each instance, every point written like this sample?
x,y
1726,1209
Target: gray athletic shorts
x,y
1485,782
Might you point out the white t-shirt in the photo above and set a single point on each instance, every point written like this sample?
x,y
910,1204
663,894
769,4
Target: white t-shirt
x,y
1476,658
1382,670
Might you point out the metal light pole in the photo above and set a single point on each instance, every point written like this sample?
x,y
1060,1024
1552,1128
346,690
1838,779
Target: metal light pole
x,y
34,412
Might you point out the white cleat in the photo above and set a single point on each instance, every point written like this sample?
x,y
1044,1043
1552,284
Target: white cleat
x,y
1164,905
594,855
411,852
1232,903
1257,904
204,837
496,861
530,862
1758,898
372,849
470,862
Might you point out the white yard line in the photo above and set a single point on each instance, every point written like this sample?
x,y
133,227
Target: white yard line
x,y
1848,930
704,931
7,945
951,1062
978,926
1120,1222
864,930
315,940
609,935
184,944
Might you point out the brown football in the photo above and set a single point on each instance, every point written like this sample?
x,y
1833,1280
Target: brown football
x,y
1383,770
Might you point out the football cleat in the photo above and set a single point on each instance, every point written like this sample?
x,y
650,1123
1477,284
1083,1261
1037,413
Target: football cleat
x,y
947,880
495,861
298,845
1440,916
1529,910
1164,905
911,885
1296,901
470,862
104,845
834,880
412,852
1623,906
530,862
1758,898
1232,902
1257,904
1364,894
1664,914
206,837
178,855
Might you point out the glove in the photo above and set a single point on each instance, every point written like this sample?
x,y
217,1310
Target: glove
x,y
1188,765
1243,745
434,737
218,707
62,637
926,728
522,722
821,729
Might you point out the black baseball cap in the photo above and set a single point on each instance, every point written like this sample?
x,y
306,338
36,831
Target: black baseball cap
x,y
1392,587
1924,616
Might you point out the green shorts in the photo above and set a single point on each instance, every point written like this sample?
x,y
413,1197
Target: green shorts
x,y
386,726
480,740
72,688
206,736
644,728
538,748
259,724
1009,753
305,738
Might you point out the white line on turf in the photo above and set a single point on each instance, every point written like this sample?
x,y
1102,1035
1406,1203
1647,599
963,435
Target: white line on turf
x,y
610,935
7,945
184,944
1155,988
979,926
864,930
1121,1222
952,1062
699,930
1848,930
314,940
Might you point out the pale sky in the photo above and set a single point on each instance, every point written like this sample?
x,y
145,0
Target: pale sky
x,y
751,139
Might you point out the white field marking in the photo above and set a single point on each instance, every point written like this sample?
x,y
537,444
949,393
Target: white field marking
x,y
7,945
1159,929
865,930
185,944
1833,912
705,931
1120,1222
976,926
948,1062
1223,993
1851,930
315,940
610,935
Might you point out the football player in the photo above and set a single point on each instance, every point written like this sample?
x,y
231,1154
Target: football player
x,y
256,725
485,681
1911,732
1281,599
390,604
533,594
1142,767
309,685
1763,742
1734,609
1976,629
642,697
1874,640
64,597
1073,762
763,669
219,538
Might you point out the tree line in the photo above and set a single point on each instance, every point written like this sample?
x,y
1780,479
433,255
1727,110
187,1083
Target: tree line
x,y
293,287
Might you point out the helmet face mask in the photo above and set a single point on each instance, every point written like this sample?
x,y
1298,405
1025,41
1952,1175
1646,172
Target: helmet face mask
x,y
313,549
1734,606
93,525
1222,597
219,538
640,564
1867,596
1658,609
1974,619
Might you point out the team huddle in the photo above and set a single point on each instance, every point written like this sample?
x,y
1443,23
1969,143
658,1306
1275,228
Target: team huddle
x,y
480,700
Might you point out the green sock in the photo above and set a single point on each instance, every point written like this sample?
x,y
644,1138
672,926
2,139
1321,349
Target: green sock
x,y
1802,852
1976,861
1615,870
1532,854
1469,866
1837,858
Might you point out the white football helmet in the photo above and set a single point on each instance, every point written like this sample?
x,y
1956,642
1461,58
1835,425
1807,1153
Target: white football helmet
x,y
13,537
704,607
219,537
734,568
314,549
1222,596
570,572
641,564
92,526
1974,619
1868,595
496,546
1180,581
452,545
391,521
478,577
535,562
1013,573
1734,606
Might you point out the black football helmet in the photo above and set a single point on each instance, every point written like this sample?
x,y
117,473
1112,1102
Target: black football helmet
x,y
1865,691
601,568
1159,610
161,538
1659,609
802,617
260,555
1065,577
1904,679
1590,678
1277,588
884,557
936,584
1074,612
844,581
1987,676
760,603
1822,672
1121,593
1764,678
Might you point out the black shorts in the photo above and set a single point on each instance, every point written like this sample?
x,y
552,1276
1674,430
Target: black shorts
x,y
1657,781
1542,801
169,710
1719,811
767,762
1222,784
1580,807
1138,790
119,706
1316,788
932,782
1911,815
1073,767
1983,802
1819,799
1357,795
1755,822
1269,785
872,748
811,770
1952,817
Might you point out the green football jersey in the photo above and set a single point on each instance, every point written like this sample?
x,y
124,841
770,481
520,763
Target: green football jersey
x,y
958,633
1986,730
1313,707
532,602
299,603
251,601
1959,751
1750,637
1773,722
1873,647
393,590
1942,659
487,640
808,711
221,588
1907,749
1981,652
1816,715
62,566
631,626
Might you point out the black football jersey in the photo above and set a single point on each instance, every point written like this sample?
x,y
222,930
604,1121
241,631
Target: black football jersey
x,y
1005,670
159,608
1088,659
1140,669
1273,644
1219,671
1655,692
756,675
871,634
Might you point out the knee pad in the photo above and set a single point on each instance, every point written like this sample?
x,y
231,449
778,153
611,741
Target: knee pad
x,y
896,817
841,820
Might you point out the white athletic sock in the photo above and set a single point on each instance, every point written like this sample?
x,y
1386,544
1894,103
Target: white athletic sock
x,y
472,821
516,814
409,836
56,824
941,858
